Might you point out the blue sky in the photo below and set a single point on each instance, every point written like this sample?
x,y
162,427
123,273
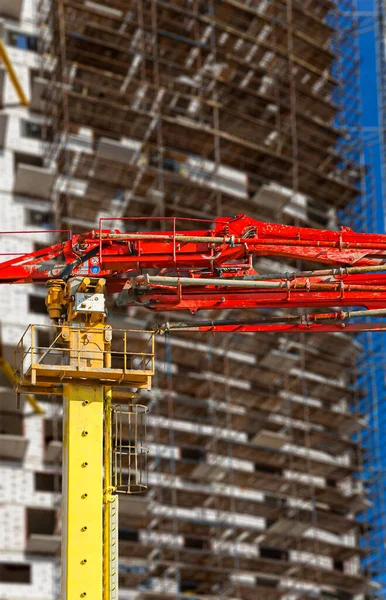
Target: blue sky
x,y
369,97
376,397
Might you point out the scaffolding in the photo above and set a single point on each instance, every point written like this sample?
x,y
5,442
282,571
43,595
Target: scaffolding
x,y
201,109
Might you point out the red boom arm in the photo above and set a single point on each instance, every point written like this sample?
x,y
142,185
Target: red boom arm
x,y
212,268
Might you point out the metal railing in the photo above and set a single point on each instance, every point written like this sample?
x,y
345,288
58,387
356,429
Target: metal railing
x,y
31,355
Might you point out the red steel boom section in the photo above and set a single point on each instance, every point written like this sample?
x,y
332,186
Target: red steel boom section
x,y
212,269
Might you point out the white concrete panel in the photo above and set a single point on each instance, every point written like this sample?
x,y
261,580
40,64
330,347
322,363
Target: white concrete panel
x,y
13,446
34,181
12,527
34,432
28,13
42,580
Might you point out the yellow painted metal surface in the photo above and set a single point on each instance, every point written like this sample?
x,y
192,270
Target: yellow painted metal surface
x,y
50,374
114,549
54,299
81,362
85,353
107,496
83,468
12,74
82,545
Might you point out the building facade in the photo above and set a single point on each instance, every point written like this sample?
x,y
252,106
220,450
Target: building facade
x,y
28,514
192,110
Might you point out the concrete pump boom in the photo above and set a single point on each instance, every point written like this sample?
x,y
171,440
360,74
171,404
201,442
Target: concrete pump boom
x,y
90,364
212,268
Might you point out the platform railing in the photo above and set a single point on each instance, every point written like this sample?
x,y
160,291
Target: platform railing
x,y
123,356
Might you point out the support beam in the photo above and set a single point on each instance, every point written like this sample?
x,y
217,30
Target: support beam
x,y
12,75
108,498
82,546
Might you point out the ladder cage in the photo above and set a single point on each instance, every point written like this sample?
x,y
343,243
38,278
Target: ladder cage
x,y
129,449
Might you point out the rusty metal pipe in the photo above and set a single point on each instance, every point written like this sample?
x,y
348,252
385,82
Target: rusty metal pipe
x,y
248,283
312,317
288,275
237,241
217,282
171,238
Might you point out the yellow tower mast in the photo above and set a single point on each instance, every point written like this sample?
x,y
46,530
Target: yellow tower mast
x,y
85,375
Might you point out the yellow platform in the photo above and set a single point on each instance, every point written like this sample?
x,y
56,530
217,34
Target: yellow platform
x,y
44,368
38,374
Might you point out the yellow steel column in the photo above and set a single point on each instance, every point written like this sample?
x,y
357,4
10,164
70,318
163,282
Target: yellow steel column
x,y
82,536
114,548
89,514
107,497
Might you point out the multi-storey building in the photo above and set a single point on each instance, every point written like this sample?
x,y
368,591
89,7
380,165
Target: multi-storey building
x,y
28,521
192,110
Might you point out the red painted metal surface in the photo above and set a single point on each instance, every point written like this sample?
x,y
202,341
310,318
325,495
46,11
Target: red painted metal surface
x,y
212,268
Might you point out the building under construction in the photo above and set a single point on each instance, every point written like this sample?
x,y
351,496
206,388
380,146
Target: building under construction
x,y
195,110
